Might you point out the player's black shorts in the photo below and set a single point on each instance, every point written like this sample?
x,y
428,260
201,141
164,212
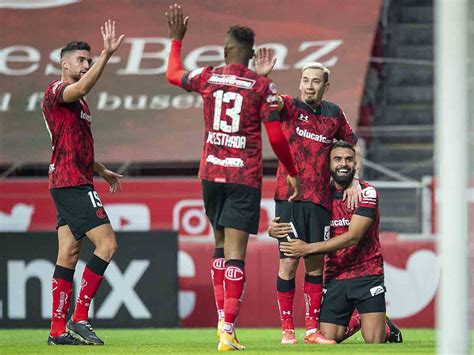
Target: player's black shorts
x,y
341,297
310,220
232,206
80,208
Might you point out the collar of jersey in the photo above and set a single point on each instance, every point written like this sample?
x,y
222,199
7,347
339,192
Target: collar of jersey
x,y
303,105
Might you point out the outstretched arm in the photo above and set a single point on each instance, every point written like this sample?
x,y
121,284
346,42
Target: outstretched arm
x,y
80,88
177,25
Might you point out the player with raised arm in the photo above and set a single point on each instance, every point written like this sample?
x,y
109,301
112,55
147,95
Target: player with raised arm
x,y
310,125
79,209
353,272
236,102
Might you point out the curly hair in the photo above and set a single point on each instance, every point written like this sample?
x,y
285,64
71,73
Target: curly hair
x,y
243,35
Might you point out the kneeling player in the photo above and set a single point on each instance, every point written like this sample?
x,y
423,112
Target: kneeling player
x,y
354,275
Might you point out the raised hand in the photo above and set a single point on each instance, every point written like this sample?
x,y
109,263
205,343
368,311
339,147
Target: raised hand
x,y
111,42
177,23
264,61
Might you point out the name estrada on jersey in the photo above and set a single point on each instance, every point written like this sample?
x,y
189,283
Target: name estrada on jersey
x,y
69,126
310,134
364,258
236,103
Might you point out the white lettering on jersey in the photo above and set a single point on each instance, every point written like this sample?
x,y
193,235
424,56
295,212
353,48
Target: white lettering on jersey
x,y
231,80
313,136
227,162
226,140
85,116
344,222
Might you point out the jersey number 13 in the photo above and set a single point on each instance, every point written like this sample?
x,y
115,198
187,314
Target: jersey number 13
x,y
232,112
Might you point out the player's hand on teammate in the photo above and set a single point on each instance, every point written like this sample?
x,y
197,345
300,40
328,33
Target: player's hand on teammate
x,y
111,42
278,229
112,179
177,23
294,248
353,194
294,182
264,61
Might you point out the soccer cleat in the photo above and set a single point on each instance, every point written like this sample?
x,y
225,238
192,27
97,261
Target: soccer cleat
x,y
229,342
84,331
317,338
65,339
288,337
395,335
220,325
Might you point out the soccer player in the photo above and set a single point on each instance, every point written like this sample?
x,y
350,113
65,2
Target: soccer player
x,y
236,102
79,209
353,271
310,124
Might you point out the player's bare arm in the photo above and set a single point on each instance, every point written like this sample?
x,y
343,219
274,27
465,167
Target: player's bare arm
x,y
264,61
80,88
278,229
353,194
357,228
112,178
177,23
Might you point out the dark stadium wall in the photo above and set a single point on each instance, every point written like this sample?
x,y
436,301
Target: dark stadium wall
x,y
140,288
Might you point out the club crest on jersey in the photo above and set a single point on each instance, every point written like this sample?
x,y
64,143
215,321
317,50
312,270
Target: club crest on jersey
x,y
85,116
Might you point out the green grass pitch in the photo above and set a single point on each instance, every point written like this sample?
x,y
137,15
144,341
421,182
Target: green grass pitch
x,y
202,341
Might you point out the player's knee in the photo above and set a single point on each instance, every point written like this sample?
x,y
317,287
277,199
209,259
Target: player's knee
x,y
68,257
373,337
288,268
107,247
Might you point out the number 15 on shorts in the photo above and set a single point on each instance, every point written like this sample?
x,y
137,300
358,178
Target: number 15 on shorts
x,y
94,196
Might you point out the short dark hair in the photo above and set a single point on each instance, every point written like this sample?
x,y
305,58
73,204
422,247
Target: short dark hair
x,y
243,35
341,144
75,46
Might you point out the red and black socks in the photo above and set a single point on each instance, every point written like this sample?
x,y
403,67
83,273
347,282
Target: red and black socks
x,y
217,274
313,290
61,292
286,296
234,285
91,280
